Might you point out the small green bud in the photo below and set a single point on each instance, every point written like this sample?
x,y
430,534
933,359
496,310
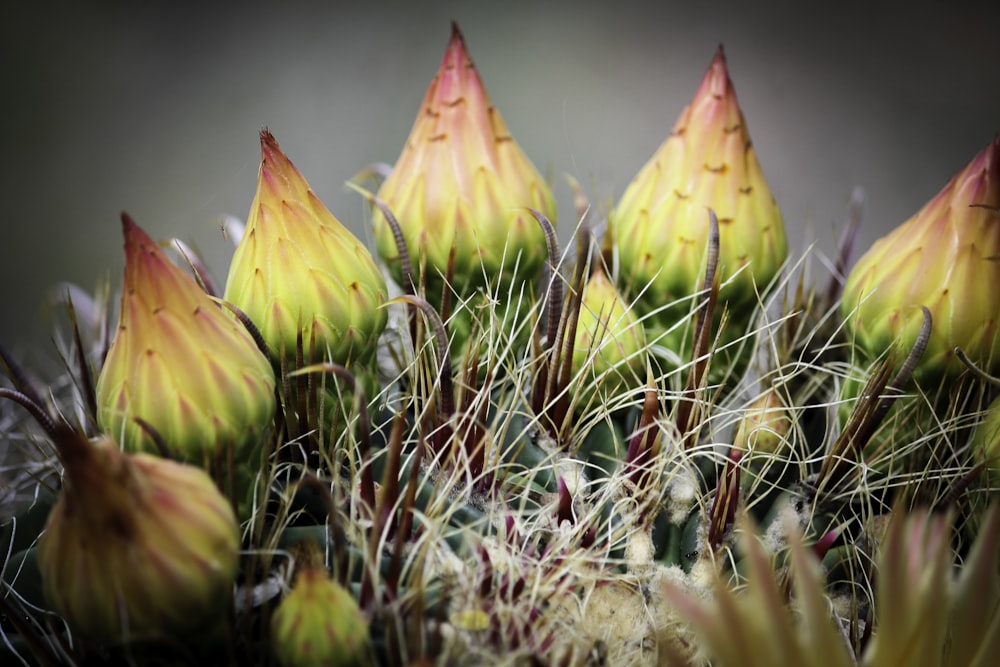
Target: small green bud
x,y
319,624
609,336
764,425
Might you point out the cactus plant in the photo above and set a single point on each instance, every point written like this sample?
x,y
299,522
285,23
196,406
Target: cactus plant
x,y
585,499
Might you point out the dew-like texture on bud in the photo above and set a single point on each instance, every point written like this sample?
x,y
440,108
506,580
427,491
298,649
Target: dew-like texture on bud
x,y
947,258
461,184
298,269
661,223
608,335
181,363
318,624
137,546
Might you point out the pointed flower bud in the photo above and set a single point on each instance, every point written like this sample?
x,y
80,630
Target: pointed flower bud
x,y
461,185
608,334
661,223
298,269
136,544
318,623
947,258
180,363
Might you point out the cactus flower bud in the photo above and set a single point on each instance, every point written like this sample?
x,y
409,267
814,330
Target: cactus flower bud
x,y
298,269
764,424
661,223
136,545
947,258
608,334
181,363
986,443
318,623
461,186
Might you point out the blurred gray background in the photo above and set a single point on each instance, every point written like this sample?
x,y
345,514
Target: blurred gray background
x,y
154,108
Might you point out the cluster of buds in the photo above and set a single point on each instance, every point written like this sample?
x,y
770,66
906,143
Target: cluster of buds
x,y
140,547
660,227
460,192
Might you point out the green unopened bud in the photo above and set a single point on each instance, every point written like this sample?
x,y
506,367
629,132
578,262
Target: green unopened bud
x,y
136,545
947,258
986,443
609,336
180,363
461,187
661,224
764,425
297,270
319,624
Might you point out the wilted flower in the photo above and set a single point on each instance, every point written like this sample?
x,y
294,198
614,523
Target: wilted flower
x,y
297,270
661,223
136,545
180,363
461,186
947,258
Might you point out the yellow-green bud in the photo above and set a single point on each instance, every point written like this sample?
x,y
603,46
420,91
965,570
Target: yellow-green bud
x,y
298,269
136,545
661,223
181,363
462,185
947,258
764,424
318,624
609,336
986,443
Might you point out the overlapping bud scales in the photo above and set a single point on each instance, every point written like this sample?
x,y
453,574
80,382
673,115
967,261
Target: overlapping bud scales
x,y
181,363
947,258
661,223
298,269
136,545
461,185
609,336
319,623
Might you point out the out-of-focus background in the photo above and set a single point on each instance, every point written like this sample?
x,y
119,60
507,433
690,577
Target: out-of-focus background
x,y
154,108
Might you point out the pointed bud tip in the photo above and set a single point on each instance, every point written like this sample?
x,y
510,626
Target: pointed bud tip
x,y
266,138
457,54
136,238
268,145
128,224
720,56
